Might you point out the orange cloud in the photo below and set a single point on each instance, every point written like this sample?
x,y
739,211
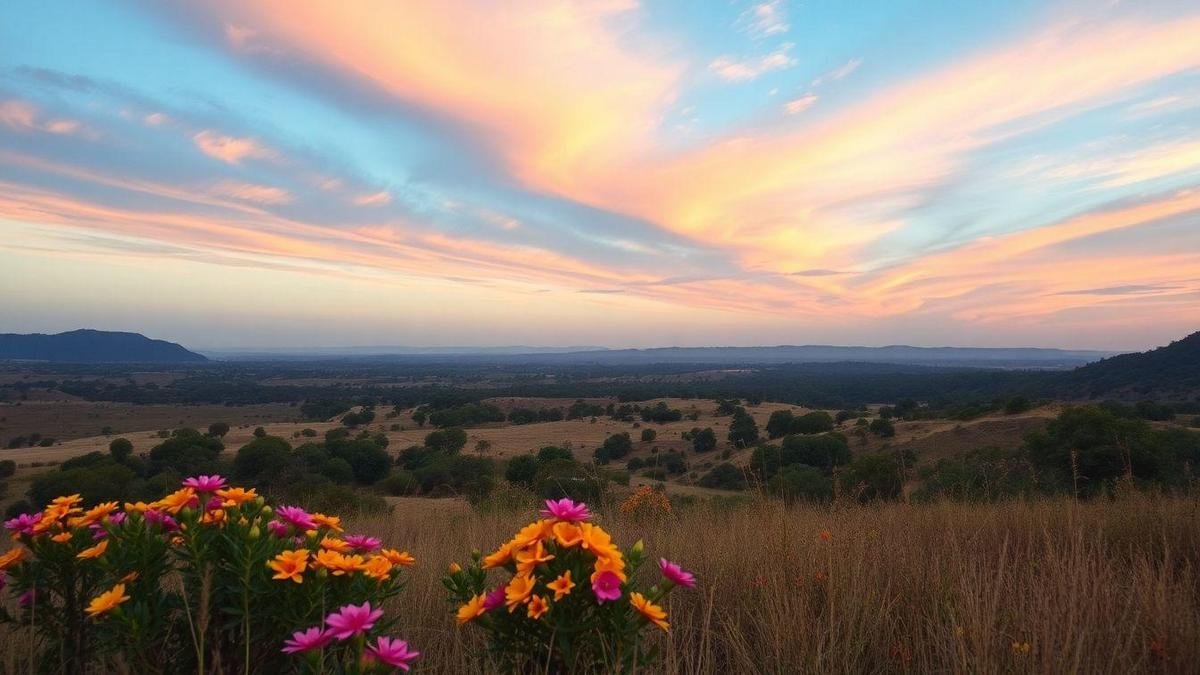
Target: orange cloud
x,y
372,199
230,149
250,192
24,116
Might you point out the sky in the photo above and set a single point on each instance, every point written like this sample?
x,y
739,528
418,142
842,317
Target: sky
x,y
272,173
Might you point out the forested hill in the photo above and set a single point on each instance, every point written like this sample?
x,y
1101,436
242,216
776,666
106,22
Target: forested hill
x,y
1167,373
93,346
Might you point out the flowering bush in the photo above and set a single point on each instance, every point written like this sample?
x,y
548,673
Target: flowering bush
x,y
645,502
207,579
568,604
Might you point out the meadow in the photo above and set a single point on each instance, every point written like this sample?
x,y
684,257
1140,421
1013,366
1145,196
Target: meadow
x,y
1055,585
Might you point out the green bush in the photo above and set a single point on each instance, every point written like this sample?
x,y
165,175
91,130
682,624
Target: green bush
x,y
874,476
263,460
186,451
566,478
800,482
102,482
120,449
399,484
447,440
724,476
521,470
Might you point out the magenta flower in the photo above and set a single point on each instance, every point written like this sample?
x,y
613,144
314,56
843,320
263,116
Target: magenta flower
x,y
296,517
676,574
392,651
495,598
352,620
98,531
3,580
307,640
565,509
26,598
606,586
277,528
205,483
117,518
23,524
156,517
362,543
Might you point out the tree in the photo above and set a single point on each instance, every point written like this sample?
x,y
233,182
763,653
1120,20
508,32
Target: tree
x,y
368,461
743,431
704,440
186,451
779,424
260,432
553,452
263,460
449,440
218,429
799,482
816,422
823,451
419,417
1016,405
617,446
521,470
874,476
120,449
883,428
648,435
482,446
724,476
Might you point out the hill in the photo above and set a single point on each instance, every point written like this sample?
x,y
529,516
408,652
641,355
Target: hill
x,y
93,346
1170,373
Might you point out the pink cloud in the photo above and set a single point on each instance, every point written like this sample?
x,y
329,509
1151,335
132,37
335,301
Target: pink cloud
x,y
230,149
251,192
24,116
799,105
372,199
743,70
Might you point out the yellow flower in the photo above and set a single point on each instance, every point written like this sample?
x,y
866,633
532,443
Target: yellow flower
x,y
532,532
330,522
175,501
651,611
501,556
518,590
334,544
338,564
290,565
561,586
538,606
567,534
95,551
236,496
401,558
472,609
531,557
61,537
11,558
377,567
107,601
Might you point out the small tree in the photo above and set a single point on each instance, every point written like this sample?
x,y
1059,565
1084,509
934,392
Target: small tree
x,y
648,435
218,429
743,431
704,440
120,449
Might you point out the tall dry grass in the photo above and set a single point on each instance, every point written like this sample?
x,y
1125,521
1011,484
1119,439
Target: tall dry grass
x,y
1106,586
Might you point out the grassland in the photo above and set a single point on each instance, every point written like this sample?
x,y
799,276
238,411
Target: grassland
x,y
1101,587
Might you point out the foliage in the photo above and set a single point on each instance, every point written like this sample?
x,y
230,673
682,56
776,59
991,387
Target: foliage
x,y
743,431
449,440
559,478
799,482
120,449
466,415
874,476
660,413
724,476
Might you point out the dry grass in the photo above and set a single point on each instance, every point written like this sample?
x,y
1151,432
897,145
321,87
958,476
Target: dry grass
x,y
1099,587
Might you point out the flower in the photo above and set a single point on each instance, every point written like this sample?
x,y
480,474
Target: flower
x,y
22,524
395,557
67,502
236,496
107,601
205,483
499,557
453,568
377,567
156,517
1021,648
95,514
606,585
676,574
307,640
494,598
567,534
476,606
329,522
95,551
339,564
61,537
518,590
538,605
393,652
296,517
363,543
26,599
290,565
531,557
614,564
652,612
531,533
277,528
561,586
334,544
597,541
352,620
177,500
566,510
11,557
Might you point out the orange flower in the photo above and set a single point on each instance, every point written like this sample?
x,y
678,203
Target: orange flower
x,y
538,606
501,556
472,609
61,537
95,551
339,564
652,612
518,590
334,544
236,496
330,522
95,514
532,532
567,534
561,586
377,567
401,558
176,501
613,564
107,601
129,578
12,557
137,507
531,557
214,516
453,568
597,541
67,502
290,565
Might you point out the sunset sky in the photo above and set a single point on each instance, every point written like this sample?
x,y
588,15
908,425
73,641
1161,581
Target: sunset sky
x,y
279,173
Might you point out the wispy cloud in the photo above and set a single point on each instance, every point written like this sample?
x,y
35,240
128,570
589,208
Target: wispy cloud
x,y
842,71
765,19
372,198
24,116
799,105
251,192
230,149
734,69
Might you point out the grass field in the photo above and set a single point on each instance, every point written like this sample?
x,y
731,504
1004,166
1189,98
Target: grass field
x,y
1103,587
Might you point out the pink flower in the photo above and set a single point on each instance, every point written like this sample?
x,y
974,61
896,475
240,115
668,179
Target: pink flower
x,y
98,531
676,574
3,580
296,517
156,517
606,586
391,651
214,504
307,640
495,598
362,543
277,528
26,598
205,483
565,509
117,518
23,524
352,620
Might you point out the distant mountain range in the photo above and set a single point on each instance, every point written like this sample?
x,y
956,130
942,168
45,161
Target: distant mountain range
x,y
93,346
1170,373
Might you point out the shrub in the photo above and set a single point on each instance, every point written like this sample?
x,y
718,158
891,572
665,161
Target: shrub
x,y
7,468
799,482
552,452
262,460
1017,405
218,429
186,451
816,422
883,428
101,482
367,460
399,484
724,476
471,477
447,440
120,449
617,446
337,470
561,478
308,433
648,435
466,415
521,470
743,431
661,414
874,476
703,440
551,572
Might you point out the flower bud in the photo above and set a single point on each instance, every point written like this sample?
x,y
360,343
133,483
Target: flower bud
x,y
455,568
255,532
267,511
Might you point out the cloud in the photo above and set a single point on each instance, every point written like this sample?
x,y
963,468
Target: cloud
x,y
743,70
1133,289
372,199
251,192
764,19
799,105
230,149
838,73
25,116
155,119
